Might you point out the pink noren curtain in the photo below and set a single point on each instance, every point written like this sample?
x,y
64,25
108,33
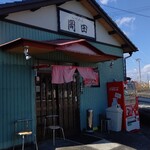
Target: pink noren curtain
x,y
64,74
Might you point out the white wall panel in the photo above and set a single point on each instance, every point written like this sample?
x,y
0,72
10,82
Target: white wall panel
x,y
103,36
45,17
76,7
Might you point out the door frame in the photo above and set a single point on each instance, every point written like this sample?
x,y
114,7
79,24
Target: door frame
x,y
77,113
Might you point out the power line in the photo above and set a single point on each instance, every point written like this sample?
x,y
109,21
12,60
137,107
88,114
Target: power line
x,y
144,8
139,9
127,11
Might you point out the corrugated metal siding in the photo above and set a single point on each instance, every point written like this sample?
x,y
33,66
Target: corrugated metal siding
x,y
16,93
11,31
1,105
17,80
96,97
17,96
109,49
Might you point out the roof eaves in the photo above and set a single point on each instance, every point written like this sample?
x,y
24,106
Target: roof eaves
x,y
8,8
112,23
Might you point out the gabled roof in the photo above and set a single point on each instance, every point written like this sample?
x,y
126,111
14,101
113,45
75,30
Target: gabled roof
x,y
79,49
32,5
95,9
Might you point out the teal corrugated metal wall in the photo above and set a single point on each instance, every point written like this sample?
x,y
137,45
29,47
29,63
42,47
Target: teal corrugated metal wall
x,y
96,97
16,94
11,31
108,49
17,80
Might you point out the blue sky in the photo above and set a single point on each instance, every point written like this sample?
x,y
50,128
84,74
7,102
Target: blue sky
x,y
133,18
4,1
135,23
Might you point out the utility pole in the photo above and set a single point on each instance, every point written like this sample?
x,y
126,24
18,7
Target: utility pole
x,y
148,81
138,60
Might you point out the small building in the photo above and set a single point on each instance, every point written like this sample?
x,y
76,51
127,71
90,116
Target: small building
x,y
56,58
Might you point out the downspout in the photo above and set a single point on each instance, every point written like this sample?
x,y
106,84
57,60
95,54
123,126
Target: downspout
x,y
125,71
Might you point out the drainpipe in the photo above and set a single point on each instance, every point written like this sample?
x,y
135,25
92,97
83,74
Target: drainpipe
x,y
125,71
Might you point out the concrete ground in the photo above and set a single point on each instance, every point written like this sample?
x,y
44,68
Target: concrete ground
x,y
109,141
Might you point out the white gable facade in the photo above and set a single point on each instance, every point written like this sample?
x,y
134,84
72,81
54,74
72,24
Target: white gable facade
x,y
47,18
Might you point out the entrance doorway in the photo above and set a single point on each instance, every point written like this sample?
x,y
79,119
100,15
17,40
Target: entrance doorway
x,y
61,99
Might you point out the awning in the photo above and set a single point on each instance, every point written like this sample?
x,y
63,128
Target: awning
x,y
79,49
35,47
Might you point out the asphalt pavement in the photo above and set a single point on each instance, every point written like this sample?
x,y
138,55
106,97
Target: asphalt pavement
x,y
108,141
121,140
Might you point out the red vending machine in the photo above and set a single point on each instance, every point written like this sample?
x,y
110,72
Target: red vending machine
x,y
124,93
